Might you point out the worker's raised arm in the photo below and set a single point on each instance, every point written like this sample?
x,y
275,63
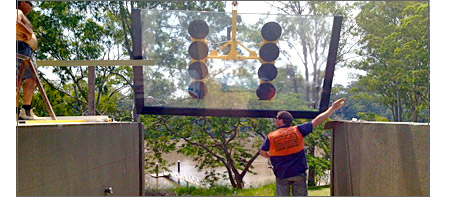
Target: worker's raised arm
x,y
326,114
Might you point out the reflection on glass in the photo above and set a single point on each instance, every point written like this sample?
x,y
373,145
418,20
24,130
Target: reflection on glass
x,y
289,79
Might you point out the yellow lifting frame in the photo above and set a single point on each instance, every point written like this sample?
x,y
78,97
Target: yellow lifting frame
x,y
233,54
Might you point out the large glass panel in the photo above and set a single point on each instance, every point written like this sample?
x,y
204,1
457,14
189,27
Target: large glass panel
x,y
231,84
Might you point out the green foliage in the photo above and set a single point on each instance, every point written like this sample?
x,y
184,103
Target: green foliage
x,y
370,116
357,102
65,31
396,58
318,146
157,143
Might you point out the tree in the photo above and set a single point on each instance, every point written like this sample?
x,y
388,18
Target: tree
x,y
395,56
66,32
157,143
360,105
313,33
218,141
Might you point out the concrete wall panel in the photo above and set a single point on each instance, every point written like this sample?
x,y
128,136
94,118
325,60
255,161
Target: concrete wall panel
x,y
380,159
79,159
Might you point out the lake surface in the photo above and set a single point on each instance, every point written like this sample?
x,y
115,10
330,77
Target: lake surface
x,y
264,174
187,166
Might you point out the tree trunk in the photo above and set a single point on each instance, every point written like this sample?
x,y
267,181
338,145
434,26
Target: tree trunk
x,y
91,90
396,111
124,15
239,181
307,74
294,81
393,113
134,116
316,71
291,74
311,171
414,108
311,177
398,93
230,176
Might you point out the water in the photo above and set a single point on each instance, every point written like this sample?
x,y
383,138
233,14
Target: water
x,y
264,174
187,166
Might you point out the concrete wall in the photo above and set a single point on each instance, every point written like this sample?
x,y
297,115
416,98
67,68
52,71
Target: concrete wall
x,y
80,159
380,159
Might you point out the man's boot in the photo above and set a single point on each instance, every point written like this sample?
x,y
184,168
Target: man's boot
x,y
29,115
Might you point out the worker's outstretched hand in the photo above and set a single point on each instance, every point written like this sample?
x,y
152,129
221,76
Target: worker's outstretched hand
x,y
338,104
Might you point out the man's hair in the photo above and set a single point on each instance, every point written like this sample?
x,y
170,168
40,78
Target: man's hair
x,y
286,117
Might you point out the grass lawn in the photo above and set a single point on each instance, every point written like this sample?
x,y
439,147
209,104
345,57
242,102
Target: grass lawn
x,y
266,190
319,190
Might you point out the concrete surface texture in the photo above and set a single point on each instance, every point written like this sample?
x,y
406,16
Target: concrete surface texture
x,y
380,159
79,159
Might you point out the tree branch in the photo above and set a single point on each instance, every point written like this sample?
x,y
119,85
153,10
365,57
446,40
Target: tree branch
x,y
195,144
125,33
248,165
54,87
124,78
235,132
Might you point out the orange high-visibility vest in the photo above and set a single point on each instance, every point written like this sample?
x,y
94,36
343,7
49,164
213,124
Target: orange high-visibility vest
x,y
285,141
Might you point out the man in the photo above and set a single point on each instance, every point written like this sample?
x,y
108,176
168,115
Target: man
x,y
26,43
285,149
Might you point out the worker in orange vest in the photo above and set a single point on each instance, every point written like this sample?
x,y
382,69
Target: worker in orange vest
x,y
285,149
